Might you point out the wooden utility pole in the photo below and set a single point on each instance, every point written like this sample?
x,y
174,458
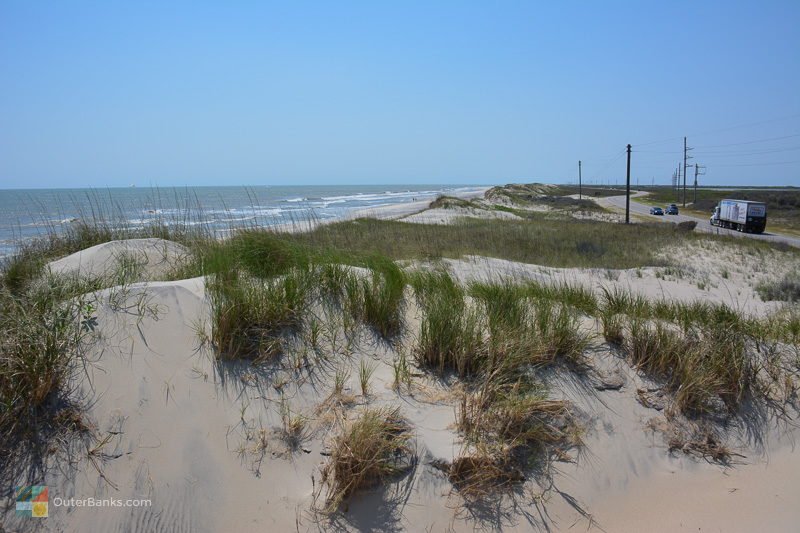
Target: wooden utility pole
x,y
628,190
697,173
580,187
686,157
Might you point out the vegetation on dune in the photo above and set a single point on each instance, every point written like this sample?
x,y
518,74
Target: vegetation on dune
x,y
497,336
526,195
447,202
786,289
44,326
557,243
249,314
451,333
509,426
372,449
494,334
524,329
699,366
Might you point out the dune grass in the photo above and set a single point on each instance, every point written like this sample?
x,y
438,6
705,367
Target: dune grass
x,y
249,314
786,289
377,299
44,326
525,329
511,426
369,450
451,332
563,243
515,414
699,366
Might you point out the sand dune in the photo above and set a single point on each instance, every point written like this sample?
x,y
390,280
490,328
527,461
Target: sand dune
x,y
154,257
202,440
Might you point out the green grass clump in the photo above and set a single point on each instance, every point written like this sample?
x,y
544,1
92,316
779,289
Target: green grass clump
x,y
526,330
698,366
571,295
43,328
249,314
492,326
377,299
369,450
263,254
558,327
452,330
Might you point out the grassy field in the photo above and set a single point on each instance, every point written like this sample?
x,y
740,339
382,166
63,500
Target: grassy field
x,y
783,206
557,243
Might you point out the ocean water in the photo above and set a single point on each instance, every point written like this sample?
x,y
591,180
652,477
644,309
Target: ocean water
x,y
28,213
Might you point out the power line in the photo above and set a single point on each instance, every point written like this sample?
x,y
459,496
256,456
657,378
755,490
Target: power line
x,y
727,153
728,128
759,164
751,142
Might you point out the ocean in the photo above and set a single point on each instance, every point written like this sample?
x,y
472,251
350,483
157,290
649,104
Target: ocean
x,y
28,213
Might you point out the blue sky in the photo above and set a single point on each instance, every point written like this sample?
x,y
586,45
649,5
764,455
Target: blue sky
x,y
200,93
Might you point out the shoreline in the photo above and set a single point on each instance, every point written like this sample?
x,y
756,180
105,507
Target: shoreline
x,y
393,211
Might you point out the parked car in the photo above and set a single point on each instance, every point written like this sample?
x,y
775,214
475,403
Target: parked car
x,y
672,209
656,211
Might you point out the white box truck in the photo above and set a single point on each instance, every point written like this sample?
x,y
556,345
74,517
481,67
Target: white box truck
x,y
741,215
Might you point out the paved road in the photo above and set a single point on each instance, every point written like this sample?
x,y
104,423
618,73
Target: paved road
x,y
702,223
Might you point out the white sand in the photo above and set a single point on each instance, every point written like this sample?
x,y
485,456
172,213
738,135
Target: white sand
x,y
154,257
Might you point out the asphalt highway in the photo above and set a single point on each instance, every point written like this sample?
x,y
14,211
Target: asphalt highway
x,y
702,223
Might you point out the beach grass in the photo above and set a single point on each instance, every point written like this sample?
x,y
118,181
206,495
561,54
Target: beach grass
x,y
369,450
451,333
699,367
511,426
249,314
44,325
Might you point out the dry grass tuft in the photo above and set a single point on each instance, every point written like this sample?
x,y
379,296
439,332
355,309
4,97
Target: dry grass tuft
x,y
509,427
369,450
482,472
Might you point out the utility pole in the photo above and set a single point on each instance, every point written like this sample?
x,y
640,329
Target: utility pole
x,y
580,185
628,190
697,173
686,156
678,183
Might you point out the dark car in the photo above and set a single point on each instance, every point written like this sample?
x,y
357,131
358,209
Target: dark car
x,y
672,209
656,211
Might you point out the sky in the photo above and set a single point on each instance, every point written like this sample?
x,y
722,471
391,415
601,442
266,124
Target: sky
x,y
105,94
